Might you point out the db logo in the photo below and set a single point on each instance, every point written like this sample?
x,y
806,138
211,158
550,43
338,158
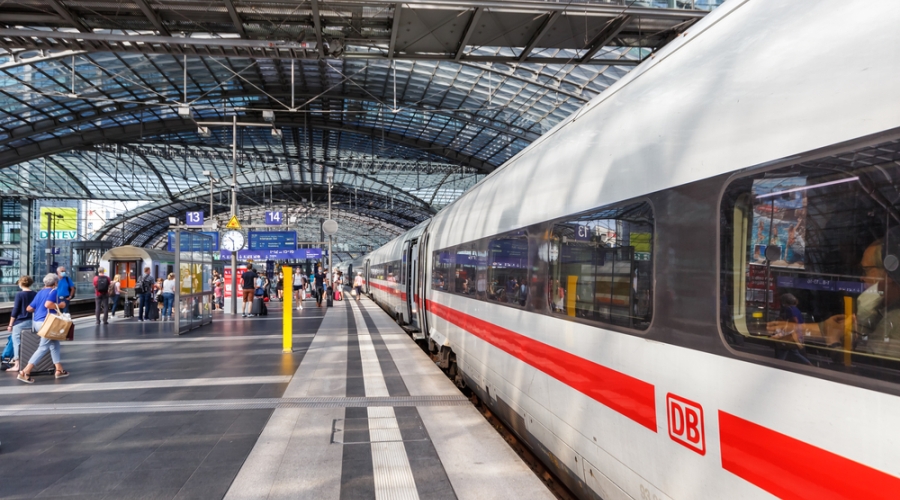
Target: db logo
x,y
686,423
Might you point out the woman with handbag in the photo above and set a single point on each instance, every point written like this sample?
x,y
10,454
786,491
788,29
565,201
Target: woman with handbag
x,y
20,318
44,304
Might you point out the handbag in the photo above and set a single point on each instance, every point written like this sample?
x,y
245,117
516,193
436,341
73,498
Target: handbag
x,y
353,292
56,327
259,292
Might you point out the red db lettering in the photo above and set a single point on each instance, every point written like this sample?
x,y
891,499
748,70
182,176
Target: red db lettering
x,y
686,423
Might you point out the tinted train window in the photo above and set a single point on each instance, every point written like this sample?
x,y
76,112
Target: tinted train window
x,y
443,270
507,269
601,266
811,263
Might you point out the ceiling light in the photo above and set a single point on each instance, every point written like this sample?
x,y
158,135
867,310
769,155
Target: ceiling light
x,y
184,111
268,115
276,133
203,131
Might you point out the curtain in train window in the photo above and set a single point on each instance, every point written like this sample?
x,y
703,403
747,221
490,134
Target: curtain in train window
x,y
811,263
507,271
601,266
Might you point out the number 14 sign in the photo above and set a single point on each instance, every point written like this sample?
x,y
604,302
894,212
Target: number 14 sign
x,y
274,218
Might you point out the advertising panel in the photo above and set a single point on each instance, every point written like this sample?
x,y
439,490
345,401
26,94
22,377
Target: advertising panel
x,y
63,221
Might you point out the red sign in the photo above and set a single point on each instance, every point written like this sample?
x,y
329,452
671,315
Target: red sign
x,y
227,278
686,423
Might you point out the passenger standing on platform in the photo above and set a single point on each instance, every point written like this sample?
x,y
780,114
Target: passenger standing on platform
x,y
41,305
66,289
358,283
101,295
114,295
143,288
320,285
279,287
248,285
298,285
217,292
20,318
168,296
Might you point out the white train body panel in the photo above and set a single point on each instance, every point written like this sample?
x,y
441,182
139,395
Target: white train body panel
x,y
754,82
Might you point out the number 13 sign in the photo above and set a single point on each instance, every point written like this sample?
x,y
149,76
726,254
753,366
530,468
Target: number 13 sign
x,y
194,219
274,218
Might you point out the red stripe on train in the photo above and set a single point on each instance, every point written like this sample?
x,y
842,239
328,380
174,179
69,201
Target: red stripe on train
x,y
627,395
392,291
791,469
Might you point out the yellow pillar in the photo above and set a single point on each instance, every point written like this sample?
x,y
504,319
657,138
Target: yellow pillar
x,y
848,330
287,327
571,294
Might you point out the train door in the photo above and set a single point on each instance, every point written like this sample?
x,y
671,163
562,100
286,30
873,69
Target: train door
x,y
412,274
366,274
422,273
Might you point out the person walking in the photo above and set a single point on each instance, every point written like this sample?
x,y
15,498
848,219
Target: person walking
x,y
20,317
358,283
66,289
44,303
248,287
114,293
168,293
143,288
279,287
101,295
319,278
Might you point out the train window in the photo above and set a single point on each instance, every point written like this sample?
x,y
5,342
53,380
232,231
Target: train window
x,y
507,270
443,268
811,263
601,266
468,260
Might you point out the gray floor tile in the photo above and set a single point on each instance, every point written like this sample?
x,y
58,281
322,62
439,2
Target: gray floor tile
x,y
79,482
209,482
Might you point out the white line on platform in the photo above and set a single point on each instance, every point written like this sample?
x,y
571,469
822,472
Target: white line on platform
x,y
145,384
187,339
390,464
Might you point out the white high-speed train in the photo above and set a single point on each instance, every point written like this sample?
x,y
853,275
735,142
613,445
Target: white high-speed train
x,y
691,288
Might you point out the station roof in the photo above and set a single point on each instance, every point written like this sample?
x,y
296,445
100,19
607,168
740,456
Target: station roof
x,y
406,104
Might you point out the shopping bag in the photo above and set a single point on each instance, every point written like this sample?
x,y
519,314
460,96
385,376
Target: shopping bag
x,y
56,327
353,292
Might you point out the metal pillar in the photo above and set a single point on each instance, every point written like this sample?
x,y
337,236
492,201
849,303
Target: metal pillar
x,y
234,289
330,272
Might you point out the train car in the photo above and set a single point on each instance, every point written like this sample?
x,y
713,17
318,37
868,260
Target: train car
x,y
129,261
393,275
691,287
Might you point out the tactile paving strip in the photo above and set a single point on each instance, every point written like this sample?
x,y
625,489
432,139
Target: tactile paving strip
x,y
229,404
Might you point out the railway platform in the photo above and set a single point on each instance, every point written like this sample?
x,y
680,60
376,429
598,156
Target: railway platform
x,y
357,410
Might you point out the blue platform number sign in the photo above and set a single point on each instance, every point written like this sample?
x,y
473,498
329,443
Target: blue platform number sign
x,y
194,219
274,218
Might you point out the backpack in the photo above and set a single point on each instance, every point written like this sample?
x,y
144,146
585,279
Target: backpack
x,y
144,284
103,284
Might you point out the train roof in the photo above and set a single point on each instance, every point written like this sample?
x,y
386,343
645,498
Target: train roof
x,y
128,252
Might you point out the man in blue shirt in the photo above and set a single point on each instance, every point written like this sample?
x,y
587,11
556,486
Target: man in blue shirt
x,y
66,289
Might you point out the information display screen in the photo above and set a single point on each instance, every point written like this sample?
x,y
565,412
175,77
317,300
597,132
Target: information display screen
x,y
272,240
213,234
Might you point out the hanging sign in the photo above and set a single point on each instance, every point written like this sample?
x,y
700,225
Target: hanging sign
x,y
272,240
274,218
233,223
194,219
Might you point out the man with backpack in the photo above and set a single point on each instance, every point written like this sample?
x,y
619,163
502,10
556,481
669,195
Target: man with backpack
x,y
142,288
101,295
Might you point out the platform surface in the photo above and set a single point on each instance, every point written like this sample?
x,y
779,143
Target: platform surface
x,y
357,410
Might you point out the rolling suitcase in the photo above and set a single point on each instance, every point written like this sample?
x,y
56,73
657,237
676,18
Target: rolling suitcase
x,y
338,295
128,309
259,307
154,311
30,342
